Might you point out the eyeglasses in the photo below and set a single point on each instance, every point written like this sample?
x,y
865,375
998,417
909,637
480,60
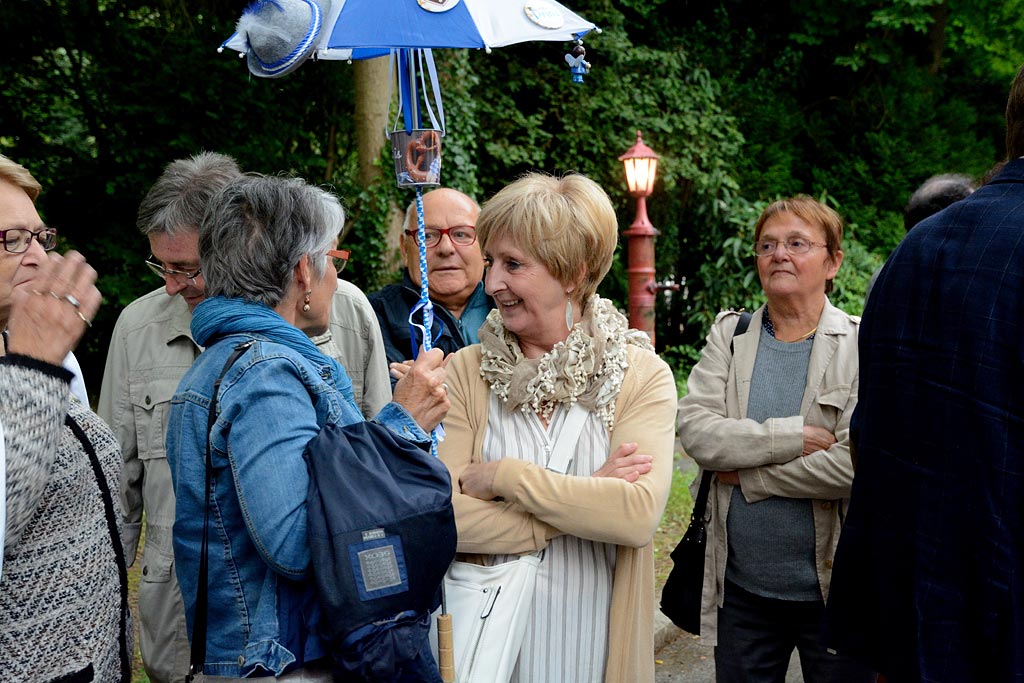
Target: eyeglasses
x,y
18,240
177,275
793,245
340,258
462,235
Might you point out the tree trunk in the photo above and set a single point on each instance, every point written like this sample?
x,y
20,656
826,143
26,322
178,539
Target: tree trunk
x,y
937,37
371,112
371,81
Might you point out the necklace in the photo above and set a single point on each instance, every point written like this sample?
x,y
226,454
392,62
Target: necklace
x,y
806,336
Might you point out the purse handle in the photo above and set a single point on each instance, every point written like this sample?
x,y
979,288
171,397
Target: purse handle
x,y
198,653
561,451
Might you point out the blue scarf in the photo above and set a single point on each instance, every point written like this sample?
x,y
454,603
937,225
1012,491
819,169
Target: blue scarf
x,y
220,316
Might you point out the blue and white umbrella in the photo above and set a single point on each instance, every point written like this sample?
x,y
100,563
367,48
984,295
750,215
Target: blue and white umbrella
x,y
362,29
423,24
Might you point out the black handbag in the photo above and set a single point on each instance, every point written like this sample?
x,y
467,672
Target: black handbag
x,y
681,595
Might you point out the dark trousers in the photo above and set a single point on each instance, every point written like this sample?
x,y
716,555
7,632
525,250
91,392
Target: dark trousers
x,y
756,637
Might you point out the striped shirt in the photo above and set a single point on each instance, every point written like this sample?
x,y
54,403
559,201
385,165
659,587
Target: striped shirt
x,y
567,636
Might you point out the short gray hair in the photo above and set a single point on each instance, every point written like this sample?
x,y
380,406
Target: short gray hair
x,y
178,199
258,228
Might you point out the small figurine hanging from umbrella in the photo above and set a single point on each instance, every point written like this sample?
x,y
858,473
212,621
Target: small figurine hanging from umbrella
x,y
578,66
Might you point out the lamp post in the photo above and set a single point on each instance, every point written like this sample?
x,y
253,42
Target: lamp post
x,y
641,167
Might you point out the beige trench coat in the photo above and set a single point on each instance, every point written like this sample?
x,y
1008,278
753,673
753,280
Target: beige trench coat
x,y
715,432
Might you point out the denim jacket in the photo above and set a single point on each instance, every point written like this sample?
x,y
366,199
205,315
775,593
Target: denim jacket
x,y
263,610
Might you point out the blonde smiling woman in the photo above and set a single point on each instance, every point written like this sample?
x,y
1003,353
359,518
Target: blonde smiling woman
x,y
553,343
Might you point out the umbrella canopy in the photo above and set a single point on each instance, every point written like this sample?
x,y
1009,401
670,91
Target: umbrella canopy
x,y
452,23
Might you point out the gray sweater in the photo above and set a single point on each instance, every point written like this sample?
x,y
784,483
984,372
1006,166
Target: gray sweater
x,y
771,542
63,594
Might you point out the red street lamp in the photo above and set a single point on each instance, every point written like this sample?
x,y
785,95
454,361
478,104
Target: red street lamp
x,y
641,168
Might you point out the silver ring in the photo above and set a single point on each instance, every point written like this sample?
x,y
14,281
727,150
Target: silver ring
x,y
445,385
72,300
84,319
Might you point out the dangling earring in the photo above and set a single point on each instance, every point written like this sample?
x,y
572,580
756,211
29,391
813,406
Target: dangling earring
x,y
305,303
568,312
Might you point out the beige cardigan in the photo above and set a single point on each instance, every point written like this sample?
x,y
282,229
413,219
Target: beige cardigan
x,y
539,505
715,431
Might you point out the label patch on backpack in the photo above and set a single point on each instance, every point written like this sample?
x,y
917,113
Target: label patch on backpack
x,y
379,567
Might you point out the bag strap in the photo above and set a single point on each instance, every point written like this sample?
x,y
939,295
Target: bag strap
x,y
115,541
561,452
741,328
701,503
198,654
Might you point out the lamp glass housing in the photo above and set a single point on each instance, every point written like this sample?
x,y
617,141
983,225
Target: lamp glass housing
x,y
640,175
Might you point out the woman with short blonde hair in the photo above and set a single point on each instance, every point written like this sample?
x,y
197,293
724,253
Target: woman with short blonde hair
x,y
552,344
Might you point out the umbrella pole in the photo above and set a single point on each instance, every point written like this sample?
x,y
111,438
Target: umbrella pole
x,y
445,651
445,644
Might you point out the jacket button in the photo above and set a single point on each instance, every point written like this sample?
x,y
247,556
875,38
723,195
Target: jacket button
x,y
145,571
826,506
148,401
241,660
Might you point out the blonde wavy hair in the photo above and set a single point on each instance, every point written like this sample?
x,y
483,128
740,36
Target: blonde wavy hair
x,y
567,223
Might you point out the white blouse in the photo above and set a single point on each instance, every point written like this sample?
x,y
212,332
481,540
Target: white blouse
x,y
567,636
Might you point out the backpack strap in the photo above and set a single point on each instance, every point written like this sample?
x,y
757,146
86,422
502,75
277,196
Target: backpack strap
x,y
198,654
560,453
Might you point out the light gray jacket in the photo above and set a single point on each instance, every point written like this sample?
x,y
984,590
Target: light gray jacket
x,y
715,432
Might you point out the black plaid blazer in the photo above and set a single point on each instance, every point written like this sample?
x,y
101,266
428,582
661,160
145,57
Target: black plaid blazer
x,y
928,582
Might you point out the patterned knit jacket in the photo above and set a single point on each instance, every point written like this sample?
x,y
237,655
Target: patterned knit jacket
x,y
63,595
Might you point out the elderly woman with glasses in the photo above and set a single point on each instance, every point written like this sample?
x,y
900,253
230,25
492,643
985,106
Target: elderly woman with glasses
x,y
29,245
64,593
768,413
266,246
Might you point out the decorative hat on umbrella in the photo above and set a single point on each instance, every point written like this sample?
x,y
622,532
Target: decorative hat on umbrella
x,y
281,34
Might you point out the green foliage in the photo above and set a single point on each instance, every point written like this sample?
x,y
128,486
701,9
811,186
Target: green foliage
x,y
745,101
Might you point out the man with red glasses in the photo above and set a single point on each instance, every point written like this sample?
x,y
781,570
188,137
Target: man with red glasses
x,y
455,271
151,349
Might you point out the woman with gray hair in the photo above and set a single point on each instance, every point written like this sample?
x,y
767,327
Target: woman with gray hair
x,y
266,245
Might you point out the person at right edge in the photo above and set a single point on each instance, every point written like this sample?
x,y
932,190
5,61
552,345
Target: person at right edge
x,y
769,412
929,582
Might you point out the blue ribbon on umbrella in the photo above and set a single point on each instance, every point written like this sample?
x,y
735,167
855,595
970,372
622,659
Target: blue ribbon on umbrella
x,y
425,305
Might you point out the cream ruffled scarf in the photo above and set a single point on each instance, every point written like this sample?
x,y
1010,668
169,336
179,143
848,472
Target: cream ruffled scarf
x,y
587,367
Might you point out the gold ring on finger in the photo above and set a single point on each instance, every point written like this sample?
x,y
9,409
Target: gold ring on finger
x,y
84,319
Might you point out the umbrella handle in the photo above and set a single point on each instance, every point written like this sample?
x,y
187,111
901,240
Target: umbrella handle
x,y
445,652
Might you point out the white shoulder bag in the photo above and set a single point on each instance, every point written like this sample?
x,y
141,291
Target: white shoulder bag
x,y
490,606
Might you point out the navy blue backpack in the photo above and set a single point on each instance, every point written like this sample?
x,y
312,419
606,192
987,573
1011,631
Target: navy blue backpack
x,y
381,533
